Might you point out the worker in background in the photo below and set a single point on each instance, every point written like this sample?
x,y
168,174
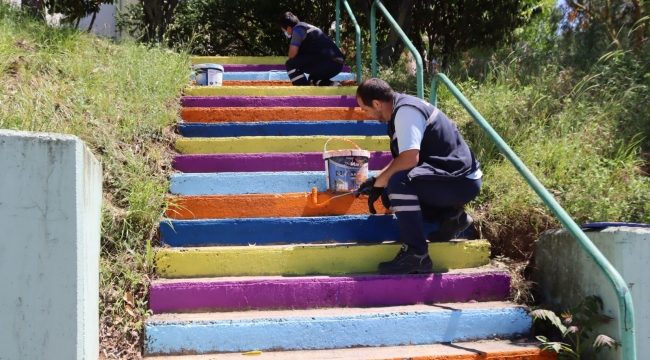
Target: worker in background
x,y
310,51
433,174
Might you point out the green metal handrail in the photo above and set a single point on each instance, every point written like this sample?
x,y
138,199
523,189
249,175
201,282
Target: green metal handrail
x,y
373,40
626,319
357,29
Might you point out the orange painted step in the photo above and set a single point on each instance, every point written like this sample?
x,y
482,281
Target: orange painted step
x,y
266,205
258,114
273,83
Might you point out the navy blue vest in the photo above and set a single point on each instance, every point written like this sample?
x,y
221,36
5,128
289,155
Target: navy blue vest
x,y
443,152
318,43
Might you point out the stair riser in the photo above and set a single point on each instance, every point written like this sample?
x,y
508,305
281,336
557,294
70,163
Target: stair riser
x,y
274,231
230,68
329,292
275,144
266,205
275,75
306,260
210,163
249,183
273,83
284,128
269,101
270,90
334,332
254,115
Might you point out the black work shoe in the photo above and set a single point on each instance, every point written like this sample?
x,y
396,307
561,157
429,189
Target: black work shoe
x,y
407,262
451,226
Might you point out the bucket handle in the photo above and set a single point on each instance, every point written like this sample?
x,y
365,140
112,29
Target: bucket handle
x,y
342,139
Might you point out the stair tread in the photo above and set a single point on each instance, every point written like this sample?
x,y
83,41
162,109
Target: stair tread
x,y
328,312
461,349
469,271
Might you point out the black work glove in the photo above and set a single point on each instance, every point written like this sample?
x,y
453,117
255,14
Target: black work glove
x,y
375,193
365,186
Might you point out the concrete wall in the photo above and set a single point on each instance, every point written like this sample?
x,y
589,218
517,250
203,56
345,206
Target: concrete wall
x,y
50,213
566,275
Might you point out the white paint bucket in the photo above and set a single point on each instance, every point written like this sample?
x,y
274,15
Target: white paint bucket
x,y
208,74
345,170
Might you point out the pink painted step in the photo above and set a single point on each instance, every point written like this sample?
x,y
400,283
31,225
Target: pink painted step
x,y
243,293
209,163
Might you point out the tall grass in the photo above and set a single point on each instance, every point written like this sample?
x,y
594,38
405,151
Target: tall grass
x,y
583,134
121,99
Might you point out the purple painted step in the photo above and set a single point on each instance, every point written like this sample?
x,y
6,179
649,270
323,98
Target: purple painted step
x,y
209,163
234,294
253,67
270,101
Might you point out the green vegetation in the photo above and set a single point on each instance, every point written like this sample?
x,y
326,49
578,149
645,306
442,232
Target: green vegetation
x,y
121,100
570,97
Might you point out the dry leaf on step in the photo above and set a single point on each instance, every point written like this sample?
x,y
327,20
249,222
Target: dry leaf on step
x,y
129,309
128,297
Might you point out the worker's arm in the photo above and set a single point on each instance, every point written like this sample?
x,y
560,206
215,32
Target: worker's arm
x,y
406,160
293,51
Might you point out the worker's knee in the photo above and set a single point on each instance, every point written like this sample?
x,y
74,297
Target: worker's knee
x,y
397,183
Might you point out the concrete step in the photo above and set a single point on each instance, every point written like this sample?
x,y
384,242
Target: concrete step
x,y
259,114
304,161
277,292
275,144
276,75
270,90
230,68
333,328
291,230
473,350
283,128
274,83
269,101
248,183
267,205
310,259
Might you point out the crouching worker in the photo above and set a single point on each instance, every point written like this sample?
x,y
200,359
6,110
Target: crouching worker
x,y
311,51
432,175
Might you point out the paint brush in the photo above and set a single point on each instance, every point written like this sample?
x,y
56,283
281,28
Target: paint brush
x,y
314,198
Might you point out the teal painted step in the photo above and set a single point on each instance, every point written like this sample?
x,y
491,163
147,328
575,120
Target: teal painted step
x,y
248,182
332,328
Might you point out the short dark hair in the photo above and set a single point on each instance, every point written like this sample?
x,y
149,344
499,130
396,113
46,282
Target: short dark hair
x,y
288,19
374,89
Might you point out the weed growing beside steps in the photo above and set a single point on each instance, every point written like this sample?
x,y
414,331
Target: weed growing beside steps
x,y
121,100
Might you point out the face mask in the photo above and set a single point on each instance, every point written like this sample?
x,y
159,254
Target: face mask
x,y
287,35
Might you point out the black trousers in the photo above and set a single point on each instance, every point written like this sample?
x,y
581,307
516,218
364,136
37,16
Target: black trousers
x,y
320,70
417,200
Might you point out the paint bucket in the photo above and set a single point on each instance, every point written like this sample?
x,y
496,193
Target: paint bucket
x,y
345,170
207,75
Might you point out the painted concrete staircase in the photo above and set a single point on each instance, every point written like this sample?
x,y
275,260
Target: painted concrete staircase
x,y
250,265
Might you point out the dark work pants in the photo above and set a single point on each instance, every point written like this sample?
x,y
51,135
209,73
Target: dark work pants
x,y
320,70
418,200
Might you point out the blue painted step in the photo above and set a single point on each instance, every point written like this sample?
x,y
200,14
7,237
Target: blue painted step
x,y
248,183
334,328
268,231
282,128
275,75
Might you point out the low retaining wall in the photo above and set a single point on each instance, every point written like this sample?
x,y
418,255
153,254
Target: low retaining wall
x,y
50,213
566,275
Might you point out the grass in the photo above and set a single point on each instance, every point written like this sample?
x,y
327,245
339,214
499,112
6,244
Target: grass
x,y
576,134
122,100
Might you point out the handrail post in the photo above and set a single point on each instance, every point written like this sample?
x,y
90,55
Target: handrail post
x,y
357,30
405,39
338,23
626,308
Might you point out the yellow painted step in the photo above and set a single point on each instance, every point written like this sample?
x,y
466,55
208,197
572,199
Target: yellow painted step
x,y
270,90
252,60
274,144
308,259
